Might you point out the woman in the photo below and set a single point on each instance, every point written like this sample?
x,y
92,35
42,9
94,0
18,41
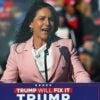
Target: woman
x,y
36,36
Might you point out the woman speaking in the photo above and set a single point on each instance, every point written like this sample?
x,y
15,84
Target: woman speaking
x,y
38,55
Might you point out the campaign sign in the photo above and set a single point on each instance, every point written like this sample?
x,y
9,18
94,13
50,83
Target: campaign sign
x,y
50,91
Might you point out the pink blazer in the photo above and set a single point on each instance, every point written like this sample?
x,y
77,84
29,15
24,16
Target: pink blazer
x,y
23,64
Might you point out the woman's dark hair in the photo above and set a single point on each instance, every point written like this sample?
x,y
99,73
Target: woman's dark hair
x,y
24,32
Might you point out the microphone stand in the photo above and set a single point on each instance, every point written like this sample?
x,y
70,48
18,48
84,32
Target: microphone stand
x,y
45,64
45,57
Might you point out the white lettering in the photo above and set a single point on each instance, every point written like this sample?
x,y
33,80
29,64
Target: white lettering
x,y
52,97
20,96
31,97
65,97
45,96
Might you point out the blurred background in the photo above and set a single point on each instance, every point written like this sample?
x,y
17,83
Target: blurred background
x,y
79,20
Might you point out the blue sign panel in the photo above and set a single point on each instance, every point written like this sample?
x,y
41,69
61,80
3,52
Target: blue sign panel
x,y
48,91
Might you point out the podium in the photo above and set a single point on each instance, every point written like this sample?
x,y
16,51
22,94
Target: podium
x,y
50,91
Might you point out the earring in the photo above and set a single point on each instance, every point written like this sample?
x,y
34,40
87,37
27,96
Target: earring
x,y
31,29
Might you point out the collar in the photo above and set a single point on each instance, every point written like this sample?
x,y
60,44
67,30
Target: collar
x,y
28,45
25,46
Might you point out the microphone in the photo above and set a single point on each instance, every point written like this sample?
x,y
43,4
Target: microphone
x,y
49,40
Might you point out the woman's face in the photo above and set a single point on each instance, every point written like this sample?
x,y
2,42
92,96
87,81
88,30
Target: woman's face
x,y
42,24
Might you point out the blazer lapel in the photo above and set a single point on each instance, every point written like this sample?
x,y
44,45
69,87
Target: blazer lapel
x,y
56,58
32,63
36,70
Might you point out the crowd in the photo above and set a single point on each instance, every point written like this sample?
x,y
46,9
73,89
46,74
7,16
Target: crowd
x,y
77,21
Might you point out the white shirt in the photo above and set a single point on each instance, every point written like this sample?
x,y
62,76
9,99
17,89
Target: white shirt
x,y
63,32
38,55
